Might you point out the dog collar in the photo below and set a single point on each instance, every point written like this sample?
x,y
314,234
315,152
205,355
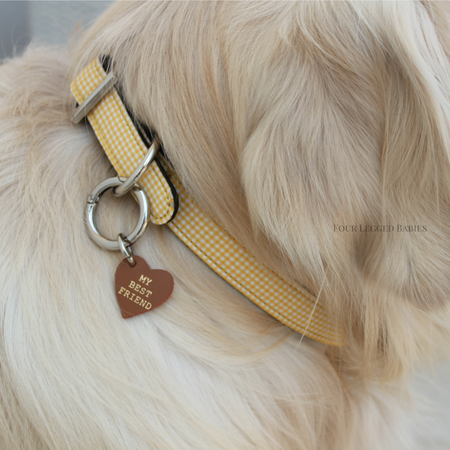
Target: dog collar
x,y
126,142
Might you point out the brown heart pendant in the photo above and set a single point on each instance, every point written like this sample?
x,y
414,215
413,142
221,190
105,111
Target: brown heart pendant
x,y
140,289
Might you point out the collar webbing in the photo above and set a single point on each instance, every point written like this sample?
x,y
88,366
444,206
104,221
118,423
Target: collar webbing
x,y
205,236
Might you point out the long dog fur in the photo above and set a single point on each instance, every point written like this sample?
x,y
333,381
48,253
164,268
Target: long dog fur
x,y
287,121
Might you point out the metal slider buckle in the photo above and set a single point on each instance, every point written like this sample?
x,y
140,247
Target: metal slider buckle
x,y
81,111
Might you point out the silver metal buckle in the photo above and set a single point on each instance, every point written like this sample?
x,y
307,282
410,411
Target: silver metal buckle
x,y
104,87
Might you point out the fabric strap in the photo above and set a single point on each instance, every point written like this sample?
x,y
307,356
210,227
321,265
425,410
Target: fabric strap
x,y
171,204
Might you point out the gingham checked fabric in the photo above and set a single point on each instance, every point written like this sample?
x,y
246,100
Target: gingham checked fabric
x,y
121,142
289,303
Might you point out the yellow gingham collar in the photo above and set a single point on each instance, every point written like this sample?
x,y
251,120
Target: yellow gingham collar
x,y
126,144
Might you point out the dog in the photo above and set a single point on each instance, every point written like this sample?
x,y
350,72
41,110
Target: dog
x,y
318,135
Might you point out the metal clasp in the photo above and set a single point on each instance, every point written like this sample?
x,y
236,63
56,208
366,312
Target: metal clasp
x,y
120,187
93,199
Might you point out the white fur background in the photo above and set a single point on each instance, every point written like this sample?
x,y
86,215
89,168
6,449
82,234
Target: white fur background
x,y
432,391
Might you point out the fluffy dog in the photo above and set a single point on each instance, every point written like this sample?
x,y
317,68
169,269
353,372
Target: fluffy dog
x,y
304,128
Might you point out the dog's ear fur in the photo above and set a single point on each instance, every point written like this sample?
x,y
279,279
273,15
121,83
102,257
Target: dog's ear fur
x,y
303,119
353,132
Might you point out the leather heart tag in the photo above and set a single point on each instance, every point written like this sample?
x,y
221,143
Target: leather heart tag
x,y
140,289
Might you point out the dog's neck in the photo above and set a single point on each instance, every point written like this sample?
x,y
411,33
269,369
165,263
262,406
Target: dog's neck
x,y
126,142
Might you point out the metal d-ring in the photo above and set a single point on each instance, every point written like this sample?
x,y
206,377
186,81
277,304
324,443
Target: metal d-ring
x,y
130,182
92,201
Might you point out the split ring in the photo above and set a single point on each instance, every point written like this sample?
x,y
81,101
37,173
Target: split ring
x,y
92,202
126,250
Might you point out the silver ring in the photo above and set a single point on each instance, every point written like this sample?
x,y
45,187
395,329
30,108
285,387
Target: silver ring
x,y
92,202
130,182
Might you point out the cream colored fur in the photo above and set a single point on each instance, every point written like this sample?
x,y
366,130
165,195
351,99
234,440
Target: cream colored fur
x,y
283,119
